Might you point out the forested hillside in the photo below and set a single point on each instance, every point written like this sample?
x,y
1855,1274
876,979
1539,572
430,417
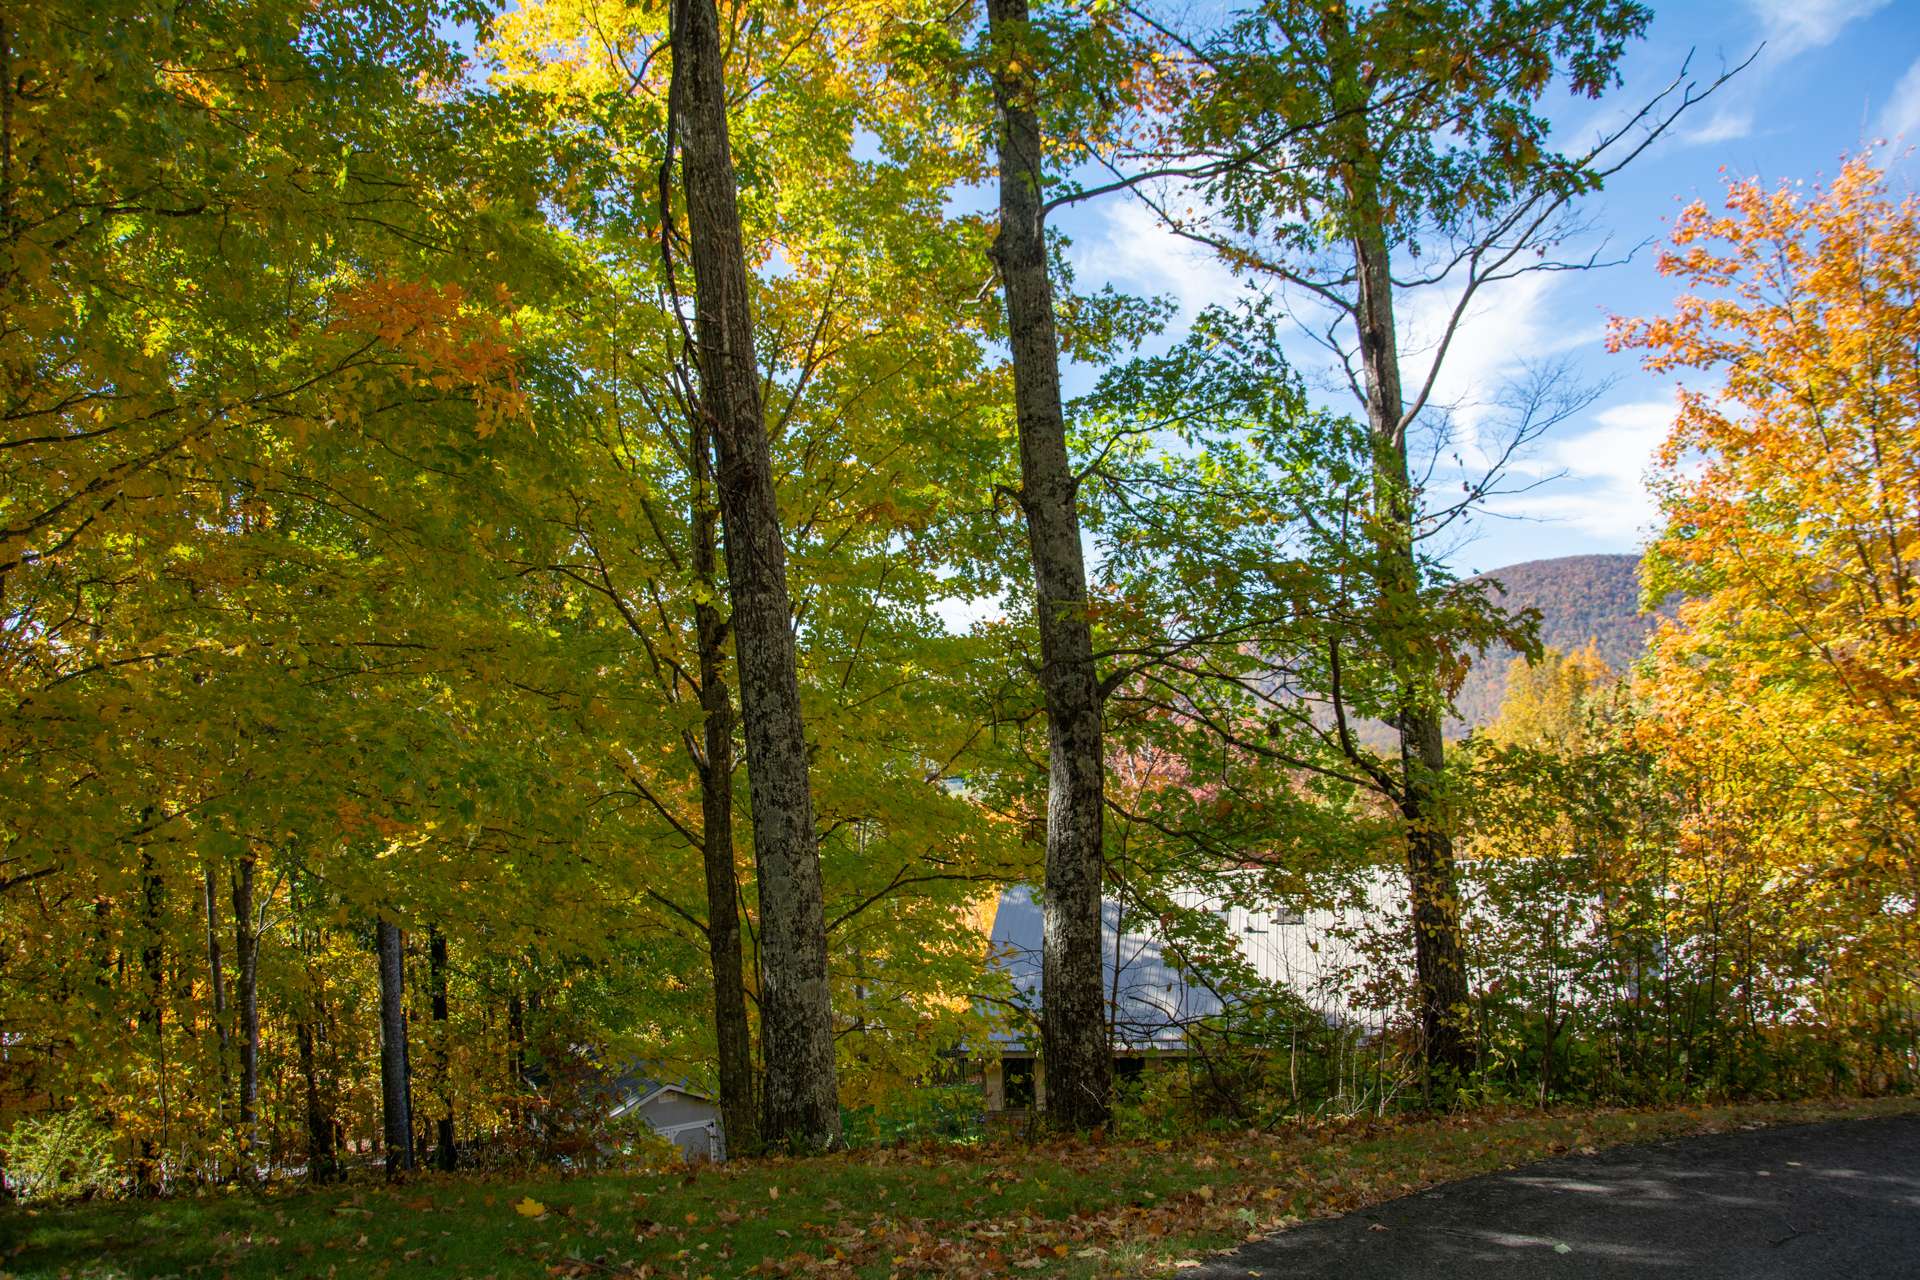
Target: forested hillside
x,y
1581,599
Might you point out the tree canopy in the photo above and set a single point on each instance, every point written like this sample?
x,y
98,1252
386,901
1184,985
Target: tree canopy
x,y
550,543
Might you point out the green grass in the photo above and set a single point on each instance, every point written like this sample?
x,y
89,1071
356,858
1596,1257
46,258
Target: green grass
x,y
1071,1209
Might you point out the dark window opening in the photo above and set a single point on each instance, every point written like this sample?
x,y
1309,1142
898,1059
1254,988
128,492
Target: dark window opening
x,y
1017,1080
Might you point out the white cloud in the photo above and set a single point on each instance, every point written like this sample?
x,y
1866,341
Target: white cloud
x,y
1727,125
1899,116
1789,28
1621,448
1138,255
1603,492
1508,326
1794,26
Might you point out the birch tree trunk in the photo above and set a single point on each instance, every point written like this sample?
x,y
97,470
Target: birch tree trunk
x,y
801,1098
395,1109
1073,1024
732,1037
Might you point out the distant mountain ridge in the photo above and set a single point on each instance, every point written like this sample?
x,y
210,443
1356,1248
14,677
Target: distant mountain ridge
x,y
1580,598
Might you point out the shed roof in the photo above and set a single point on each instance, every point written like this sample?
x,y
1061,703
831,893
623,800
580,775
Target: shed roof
x,y
634,1088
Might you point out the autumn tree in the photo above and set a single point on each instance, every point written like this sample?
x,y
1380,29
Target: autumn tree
x,y
1547,701
1427,168
1074,1035
800,1103
862,341
1791,498
281,564
1562,804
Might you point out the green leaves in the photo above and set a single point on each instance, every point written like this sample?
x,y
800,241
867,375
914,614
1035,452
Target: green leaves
x,y
1422,116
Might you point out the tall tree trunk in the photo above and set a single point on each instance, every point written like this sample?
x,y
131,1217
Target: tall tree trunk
x,y
153,1013
443,1086
801,1097
246,956
322,1164
216,979
516,1062
1073,1023
415,1134
395,1110
323,1126
1440,972
732,1037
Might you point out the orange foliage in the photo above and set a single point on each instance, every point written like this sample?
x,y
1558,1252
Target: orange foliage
x,y
446,341
1788,688
1793,490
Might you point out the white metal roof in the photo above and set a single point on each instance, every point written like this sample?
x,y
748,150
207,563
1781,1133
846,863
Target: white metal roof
x,y
1154,992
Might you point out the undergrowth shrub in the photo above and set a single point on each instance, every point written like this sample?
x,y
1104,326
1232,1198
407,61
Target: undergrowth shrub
x,y
64,1155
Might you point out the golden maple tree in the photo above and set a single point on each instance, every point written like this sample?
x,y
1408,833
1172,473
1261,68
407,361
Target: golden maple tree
x,y
1788,686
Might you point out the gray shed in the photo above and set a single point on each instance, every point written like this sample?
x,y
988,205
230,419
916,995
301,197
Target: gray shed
x,y
678,1112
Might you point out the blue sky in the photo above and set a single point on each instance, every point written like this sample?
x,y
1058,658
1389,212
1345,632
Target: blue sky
x,y
1834,77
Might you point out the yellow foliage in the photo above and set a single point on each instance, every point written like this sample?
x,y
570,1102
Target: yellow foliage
x,y
1545,706
1787,691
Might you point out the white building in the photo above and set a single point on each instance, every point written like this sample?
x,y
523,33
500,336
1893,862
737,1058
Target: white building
x,y
1156,993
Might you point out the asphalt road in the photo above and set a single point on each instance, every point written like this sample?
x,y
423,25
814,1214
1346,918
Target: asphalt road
x,y
1831,1200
